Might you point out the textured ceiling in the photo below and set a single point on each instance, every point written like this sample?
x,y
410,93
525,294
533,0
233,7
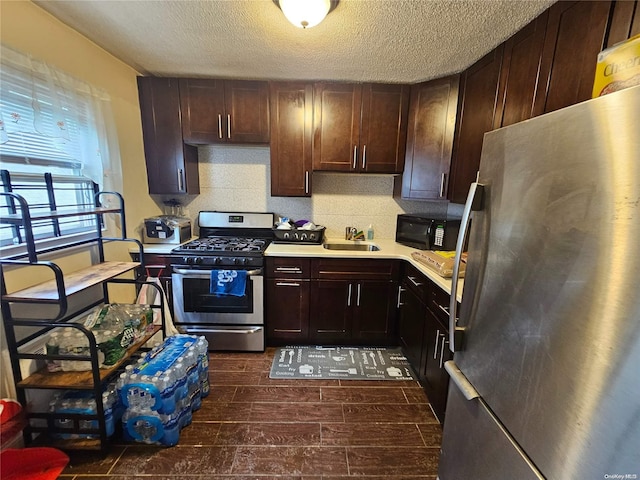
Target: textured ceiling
x,y
402,41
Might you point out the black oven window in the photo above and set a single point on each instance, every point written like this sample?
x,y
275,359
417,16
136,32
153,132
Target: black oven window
x,y
198,299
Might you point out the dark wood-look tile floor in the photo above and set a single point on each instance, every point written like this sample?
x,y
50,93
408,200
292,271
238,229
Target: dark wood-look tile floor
x,y
253,427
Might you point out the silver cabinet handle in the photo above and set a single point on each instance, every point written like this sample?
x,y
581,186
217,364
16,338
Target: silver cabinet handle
x,y
474,202
355,156
227,330
306,181
435,344
444,340
442,179
358,296
180,180
287,284
219,126
289,269
460,380
444,309
349,297
400,290
364,157
228,125
413,280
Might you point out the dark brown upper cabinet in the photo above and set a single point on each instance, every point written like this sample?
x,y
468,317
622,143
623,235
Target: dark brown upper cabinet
x,y
432,119
624,23
519,73
360,127
291,130
576,33
224,111
476,110
172,166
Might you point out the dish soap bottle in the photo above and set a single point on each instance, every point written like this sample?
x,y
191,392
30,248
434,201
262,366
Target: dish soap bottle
x,y
370,232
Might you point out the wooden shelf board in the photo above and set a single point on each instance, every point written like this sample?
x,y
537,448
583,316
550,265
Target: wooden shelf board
x,y
16,218
68,444
47,292
80,380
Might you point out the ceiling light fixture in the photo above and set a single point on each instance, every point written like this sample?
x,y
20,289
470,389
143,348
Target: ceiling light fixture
x,y
306,13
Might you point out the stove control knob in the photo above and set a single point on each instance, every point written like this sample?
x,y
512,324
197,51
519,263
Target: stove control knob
x,y
236,261
245,261
187,260
286,235
303,236
217,261
197,260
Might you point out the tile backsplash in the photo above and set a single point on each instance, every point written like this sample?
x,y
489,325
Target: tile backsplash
x,y
237,178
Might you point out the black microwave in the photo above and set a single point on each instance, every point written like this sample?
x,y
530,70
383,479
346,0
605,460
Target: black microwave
x,y
427,233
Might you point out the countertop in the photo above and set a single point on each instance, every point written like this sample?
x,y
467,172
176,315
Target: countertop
x,y
389,249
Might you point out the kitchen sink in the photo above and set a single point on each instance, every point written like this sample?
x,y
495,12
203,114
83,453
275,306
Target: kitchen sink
x,y
357,246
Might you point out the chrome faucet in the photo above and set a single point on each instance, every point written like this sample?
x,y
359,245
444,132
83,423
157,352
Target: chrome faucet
x,y
350,233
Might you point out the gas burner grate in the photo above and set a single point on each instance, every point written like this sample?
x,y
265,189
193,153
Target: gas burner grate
x,y
226,244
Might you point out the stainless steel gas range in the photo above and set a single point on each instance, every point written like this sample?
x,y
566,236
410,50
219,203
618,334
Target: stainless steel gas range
x,y
231,245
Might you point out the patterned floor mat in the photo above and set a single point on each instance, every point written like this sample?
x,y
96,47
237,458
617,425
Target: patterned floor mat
x,y
343,363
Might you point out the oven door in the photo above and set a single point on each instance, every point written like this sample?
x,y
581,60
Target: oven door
x,y
228,322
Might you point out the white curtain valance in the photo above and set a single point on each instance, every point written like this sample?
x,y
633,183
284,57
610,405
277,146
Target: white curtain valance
x,y
45,113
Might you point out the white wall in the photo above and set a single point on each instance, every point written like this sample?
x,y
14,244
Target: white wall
x,y
237,178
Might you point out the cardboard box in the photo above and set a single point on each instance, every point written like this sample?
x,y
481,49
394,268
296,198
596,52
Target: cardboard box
x,y
618,67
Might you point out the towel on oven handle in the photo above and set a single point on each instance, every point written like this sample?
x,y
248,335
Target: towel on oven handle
x,y
228,282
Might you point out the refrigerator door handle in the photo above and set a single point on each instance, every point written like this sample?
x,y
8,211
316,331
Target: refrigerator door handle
x,y
460,380
474,202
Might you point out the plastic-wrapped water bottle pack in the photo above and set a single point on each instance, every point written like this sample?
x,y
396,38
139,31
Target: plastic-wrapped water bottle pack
x,y
83,402
163,388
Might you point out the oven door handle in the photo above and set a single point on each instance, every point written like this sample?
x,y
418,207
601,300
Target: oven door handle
x,y
207,273
242,331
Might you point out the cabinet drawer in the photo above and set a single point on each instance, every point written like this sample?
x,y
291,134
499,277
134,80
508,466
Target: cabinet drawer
x,y
438,303
353,269
285,267
419,284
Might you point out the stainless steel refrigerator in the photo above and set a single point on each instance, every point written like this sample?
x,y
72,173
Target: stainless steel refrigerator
x,y
546,376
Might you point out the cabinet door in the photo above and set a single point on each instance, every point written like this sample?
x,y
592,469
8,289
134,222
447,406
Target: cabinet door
x,y
291,130
411,324
172,166
336,126
202,108
475,118
519,73
383,131
287,310
374,315
247,111
575,36
331,311
625,22
435,377
432,117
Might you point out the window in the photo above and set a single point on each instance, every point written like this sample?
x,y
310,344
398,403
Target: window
x,y
57,145
43,193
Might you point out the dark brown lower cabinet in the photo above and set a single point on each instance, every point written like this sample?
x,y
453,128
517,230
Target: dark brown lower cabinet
x,y
352,312
412,314
436,352
287,310
287,294
330,301
424,336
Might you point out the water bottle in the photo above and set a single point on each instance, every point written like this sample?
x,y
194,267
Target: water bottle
x,y
142,426
53,348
